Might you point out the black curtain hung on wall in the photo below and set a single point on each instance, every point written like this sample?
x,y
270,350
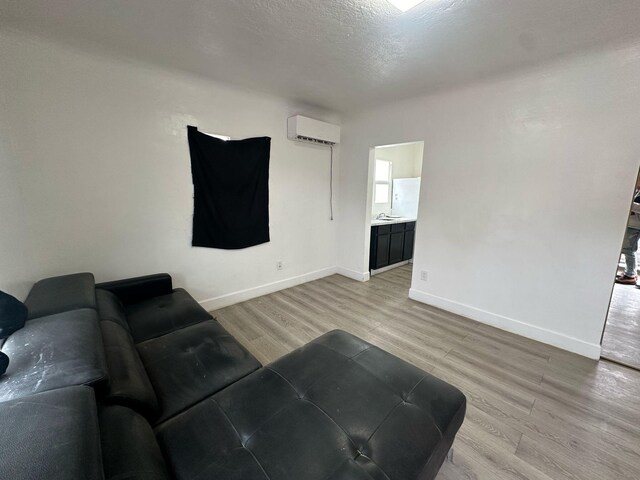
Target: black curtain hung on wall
x,y
231,190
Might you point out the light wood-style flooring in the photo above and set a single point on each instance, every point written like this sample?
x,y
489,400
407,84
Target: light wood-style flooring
x,y
534,412
621,341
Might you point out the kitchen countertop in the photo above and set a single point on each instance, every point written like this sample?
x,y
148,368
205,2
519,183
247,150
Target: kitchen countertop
x,y
375,223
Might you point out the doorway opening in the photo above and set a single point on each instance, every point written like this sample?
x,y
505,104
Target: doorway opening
x,y
395,173
621,336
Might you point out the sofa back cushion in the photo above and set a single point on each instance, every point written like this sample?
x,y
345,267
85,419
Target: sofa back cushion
x,y
129,384
110,308
164,314
129,447
53,352
61,294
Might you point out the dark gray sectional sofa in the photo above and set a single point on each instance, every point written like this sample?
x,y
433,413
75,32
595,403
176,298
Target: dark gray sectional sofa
x,y
134,380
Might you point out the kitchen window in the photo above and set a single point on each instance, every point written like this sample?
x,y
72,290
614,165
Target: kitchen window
x,y
382,186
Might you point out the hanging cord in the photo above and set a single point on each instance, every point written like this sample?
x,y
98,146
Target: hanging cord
x,y
331,184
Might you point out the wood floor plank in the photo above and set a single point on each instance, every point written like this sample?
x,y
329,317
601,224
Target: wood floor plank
x,y
621,341
534,412
500,363
500,464
559,462
475,381
570,429
605,378
497,432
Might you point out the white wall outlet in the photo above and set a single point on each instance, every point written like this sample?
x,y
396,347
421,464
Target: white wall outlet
x,y
423,275
279,265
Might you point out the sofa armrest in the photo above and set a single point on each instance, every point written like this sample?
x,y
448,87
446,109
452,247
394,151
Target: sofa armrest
x,y
133,290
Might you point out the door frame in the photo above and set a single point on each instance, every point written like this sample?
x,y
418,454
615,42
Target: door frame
x,y
606,320
369,199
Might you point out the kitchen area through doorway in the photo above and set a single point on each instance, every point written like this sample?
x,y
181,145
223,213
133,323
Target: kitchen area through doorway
x,y
397,171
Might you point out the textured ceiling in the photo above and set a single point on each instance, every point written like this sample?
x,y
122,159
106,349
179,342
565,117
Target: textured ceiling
x,y
344,55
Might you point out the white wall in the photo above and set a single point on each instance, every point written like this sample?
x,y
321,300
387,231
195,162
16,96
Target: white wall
x,y
526,185
95,175
406,159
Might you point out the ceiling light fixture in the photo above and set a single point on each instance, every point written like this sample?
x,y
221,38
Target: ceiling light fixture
x,y
404,5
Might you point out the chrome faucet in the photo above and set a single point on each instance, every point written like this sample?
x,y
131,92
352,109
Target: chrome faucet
x,y
380,215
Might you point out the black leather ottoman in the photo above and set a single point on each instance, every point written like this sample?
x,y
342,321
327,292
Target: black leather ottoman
x,y
337,408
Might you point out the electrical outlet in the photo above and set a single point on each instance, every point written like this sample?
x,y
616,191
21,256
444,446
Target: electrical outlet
x,y
279,265
423,275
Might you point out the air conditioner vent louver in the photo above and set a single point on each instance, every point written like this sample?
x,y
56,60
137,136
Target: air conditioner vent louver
x,y
304,129
314,140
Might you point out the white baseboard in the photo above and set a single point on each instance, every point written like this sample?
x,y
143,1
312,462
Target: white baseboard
x,y
236,297
353,274
390,267
543,335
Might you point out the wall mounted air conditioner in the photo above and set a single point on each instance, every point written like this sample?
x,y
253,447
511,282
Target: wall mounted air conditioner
x,y
305,129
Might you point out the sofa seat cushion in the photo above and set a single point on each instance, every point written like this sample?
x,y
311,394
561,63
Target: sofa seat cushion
x,y
51,435
164,314
110,308
129,384
53,352
337,408
193,363
61,294
129,447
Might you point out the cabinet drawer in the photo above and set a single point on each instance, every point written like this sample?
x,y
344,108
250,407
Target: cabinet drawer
x,y
397,227
410,225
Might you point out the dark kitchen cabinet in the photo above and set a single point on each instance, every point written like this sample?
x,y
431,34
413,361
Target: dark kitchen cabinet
x,y
409,238
391,244
396,244
379,253
382,251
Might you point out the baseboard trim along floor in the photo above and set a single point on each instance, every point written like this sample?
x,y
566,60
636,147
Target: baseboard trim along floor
x,y
244,295
510,325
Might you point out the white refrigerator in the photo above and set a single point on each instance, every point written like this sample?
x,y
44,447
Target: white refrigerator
x,y
405,196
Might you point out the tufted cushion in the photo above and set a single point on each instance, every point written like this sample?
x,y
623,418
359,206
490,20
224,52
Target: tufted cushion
x,y
164,314
13,314
337,408
61,294
129,384
193,363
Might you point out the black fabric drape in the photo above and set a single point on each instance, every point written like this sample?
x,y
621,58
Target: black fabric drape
x,y
231,190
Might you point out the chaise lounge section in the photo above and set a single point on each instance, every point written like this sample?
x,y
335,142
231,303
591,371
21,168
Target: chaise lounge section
x,y
159,389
